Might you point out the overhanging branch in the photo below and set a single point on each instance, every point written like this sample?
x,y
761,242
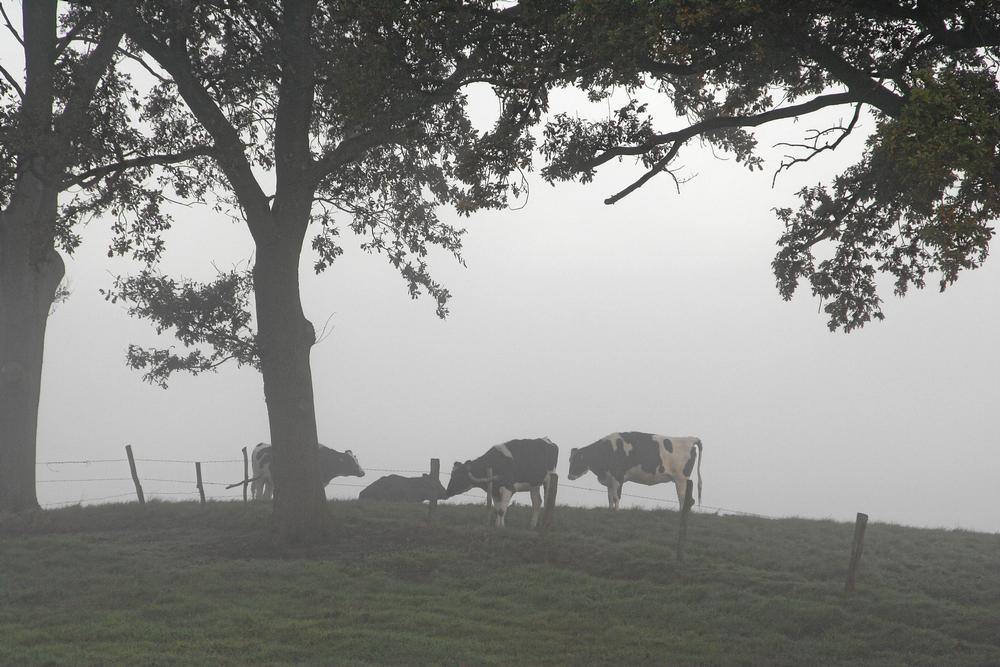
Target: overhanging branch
x,y
723,122
91,176
660,165
816,149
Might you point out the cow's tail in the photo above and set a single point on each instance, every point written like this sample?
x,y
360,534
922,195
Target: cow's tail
x,y
701,453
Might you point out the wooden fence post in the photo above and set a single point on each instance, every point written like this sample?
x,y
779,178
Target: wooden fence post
x,y
246,473
435,482
856,548
489,494
135,475
550,501
685,511
201,488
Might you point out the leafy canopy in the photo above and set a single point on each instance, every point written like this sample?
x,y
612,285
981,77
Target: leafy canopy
x,y
347,115
922,199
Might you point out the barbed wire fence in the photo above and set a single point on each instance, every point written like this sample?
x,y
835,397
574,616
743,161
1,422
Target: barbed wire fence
x,y
195,486
215,490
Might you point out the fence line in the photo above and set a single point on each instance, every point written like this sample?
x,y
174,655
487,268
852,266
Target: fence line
x,y
95,479
53,463
190,461
602,491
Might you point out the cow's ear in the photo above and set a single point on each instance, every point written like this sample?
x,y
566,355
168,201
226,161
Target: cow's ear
x,y
349,451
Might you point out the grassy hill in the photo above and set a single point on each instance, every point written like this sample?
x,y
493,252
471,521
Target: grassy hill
x,y
182,584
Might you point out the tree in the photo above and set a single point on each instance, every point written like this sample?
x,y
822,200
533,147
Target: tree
x,y
64,128
925,194
358,110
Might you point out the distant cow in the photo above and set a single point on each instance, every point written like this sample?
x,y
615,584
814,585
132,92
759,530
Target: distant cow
x,y
403,489
645,458
331,464
518,465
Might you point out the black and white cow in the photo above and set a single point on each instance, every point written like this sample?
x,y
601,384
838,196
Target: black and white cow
x,y
331,464
403,489
645,458
518,465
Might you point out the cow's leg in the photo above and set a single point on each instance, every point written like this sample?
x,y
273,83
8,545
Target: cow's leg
x,y
500,504
682,483
536,505
614,492
255,489
268,490
618,494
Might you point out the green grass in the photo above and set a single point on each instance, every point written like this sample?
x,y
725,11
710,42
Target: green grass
x,y
182,584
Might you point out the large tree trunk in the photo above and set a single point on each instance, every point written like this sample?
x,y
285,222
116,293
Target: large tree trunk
x,y
30,272
30,268
285,338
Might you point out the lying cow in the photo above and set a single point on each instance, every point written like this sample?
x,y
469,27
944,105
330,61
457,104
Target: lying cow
x,y
638,457
403,489
331,464
518,465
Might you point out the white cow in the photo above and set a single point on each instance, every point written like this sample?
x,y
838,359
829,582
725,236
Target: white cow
x,y
331,464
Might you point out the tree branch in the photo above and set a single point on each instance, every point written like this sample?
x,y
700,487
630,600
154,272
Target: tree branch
x,y
857,82
68,38
89,177
142,62
353,147
660,165
816,150
296,91
12,81
724,122
93,68
231,154
10,26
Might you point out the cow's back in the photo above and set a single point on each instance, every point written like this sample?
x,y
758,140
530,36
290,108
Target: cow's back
x,y
392,487
521,461
652,456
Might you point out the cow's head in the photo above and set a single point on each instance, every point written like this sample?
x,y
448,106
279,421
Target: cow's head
x,y
352,466
338,464
577,467
461,479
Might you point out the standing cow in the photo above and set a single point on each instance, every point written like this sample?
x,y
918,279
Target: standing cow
x,y
645,458
331,464
403,489
518,465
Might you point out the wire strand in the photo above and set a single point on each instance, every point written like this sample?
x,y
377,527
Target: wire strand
x,y
193,482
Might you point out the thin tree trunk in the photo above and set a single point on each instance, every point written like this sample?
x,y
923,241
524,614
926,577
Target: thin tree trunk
x,y
286,338
30,272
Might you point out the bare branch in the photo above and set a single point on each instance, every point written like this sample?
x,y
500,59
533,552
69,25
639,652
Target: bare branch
x,y
146,66
724,122
815,149
10,26
12,81
660,165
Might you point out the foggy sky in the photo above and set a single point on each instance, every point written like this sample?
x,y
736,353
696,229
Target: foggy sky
x,y
573,320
